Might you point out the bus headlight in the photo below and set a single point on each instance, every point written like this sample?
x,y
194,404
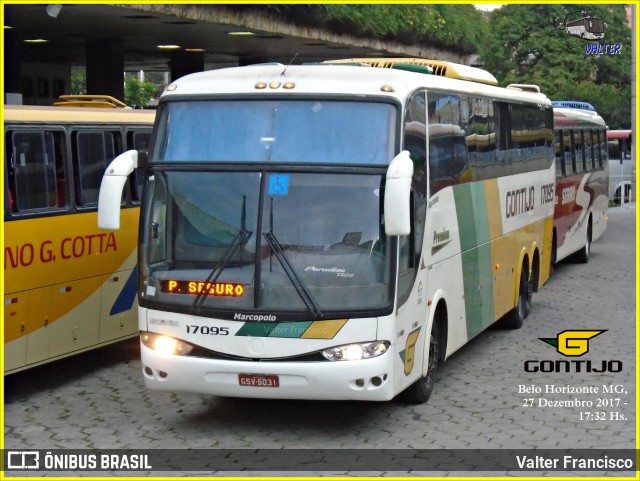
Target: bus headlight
x,y
165,344
356,351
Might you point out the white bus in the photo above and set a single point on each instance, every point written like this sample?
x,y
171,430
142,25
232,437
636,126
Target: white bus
x,y
622,167
302,237
589,28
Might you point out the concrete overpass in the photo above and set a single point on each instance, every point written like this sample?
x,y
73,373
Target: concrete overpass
x,y
43,42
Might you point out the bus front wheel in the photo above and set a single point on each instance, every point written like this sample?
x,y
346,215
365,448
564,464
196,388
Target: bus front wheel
x,y
420,391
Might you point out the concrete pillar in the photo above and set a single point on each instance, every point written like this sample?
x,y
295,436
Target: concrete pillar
x,y
12,53
183,63
105,68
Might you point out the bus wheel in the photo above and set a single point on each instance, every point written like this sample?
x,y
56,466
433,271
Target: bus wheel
x,y
420,391
515,318
583,254
554,252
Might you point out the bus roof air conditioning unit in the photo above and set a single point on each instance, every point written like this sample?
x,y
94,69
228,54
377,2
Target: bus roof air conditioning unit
x,y
438,67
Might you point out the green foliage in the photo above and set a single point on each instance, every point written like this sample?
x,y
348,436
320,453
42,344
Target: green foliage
x,y
455,27
78,82
527,44
138,94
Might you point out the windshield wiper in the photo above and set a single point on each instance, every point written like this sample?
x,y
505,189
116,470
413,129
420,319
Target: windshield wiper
x,y
301,289
241,238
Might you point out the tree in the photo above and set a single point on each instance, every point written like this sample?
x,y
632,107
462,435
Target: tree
x,y
78,82
528,44
138,94
453,27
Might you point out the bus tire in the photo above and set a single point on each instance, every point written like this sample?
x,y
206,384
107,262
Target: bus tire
x,y
582,256
514,319
420,391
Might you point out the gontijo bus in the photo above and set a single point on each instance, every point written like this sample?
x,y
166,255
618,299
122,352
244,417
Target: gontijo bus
x,y
68,286
303,237
582,179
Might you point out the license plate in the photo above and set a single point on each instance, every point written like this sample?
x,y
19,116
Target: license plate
x,y
258,380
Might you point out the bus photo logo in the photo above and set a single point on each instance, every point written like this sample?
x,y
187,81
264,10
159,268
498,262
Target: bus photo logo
x,y
572,343
587,27
582,29
22,460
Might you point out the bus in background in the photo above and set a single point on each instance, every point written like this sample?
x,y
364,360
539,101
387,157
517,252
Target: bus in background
x,y
68,286
306,232
588,28
621,166
582,179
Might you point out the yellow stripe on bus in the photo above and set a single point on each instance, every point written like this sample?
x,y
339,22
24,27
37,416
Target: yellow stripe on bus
x,y
324,329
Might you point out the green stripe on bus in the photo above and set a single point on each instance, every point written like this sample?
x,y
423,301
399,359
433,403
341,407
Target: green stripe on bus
x,y
473,225
473,219
256,329
290,329
279,329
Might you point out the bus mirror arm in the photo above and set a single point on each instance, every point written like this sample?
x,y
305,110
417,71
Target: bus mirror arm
x,y
113,182
397,195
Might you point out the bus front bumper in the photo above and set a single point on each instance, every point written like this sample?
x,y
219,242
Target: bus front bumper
x,y
366,380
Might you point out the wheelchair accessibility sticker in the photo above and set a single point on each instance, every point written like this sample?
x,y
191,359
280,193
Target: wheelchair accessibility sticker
x,y
279,184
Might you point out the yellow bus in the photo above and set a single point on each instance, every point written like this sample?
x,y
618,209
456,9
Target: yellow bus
x,y
68,286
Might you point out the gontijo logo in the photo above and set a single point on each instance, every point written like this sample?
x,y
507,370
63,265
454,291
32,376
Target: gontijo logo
x,y
572,343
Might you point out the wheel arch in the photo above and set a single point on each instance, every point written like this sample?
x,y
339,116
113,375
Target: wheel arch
x,y
523,263
438,314
535,269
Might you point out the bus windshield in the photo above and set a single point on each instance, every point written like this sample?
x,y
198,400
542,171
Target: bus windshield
x,y
309,243
300,131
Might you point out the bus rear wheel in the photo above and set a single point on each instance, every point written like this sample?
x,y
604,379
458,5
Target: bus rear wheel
x,y
514,319
420,391
583,254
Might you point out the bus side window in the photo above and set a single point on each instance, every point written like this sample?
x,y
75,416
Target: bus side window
x,y
414,141
483,149
571,148
589,136
56,146
579,150
560,157
448,156
602,147
33,172
93,150
138,140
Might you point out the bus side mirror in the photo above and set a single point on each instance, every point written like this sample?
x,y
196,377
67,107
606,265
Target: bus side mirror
x,y
397,194
111,188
